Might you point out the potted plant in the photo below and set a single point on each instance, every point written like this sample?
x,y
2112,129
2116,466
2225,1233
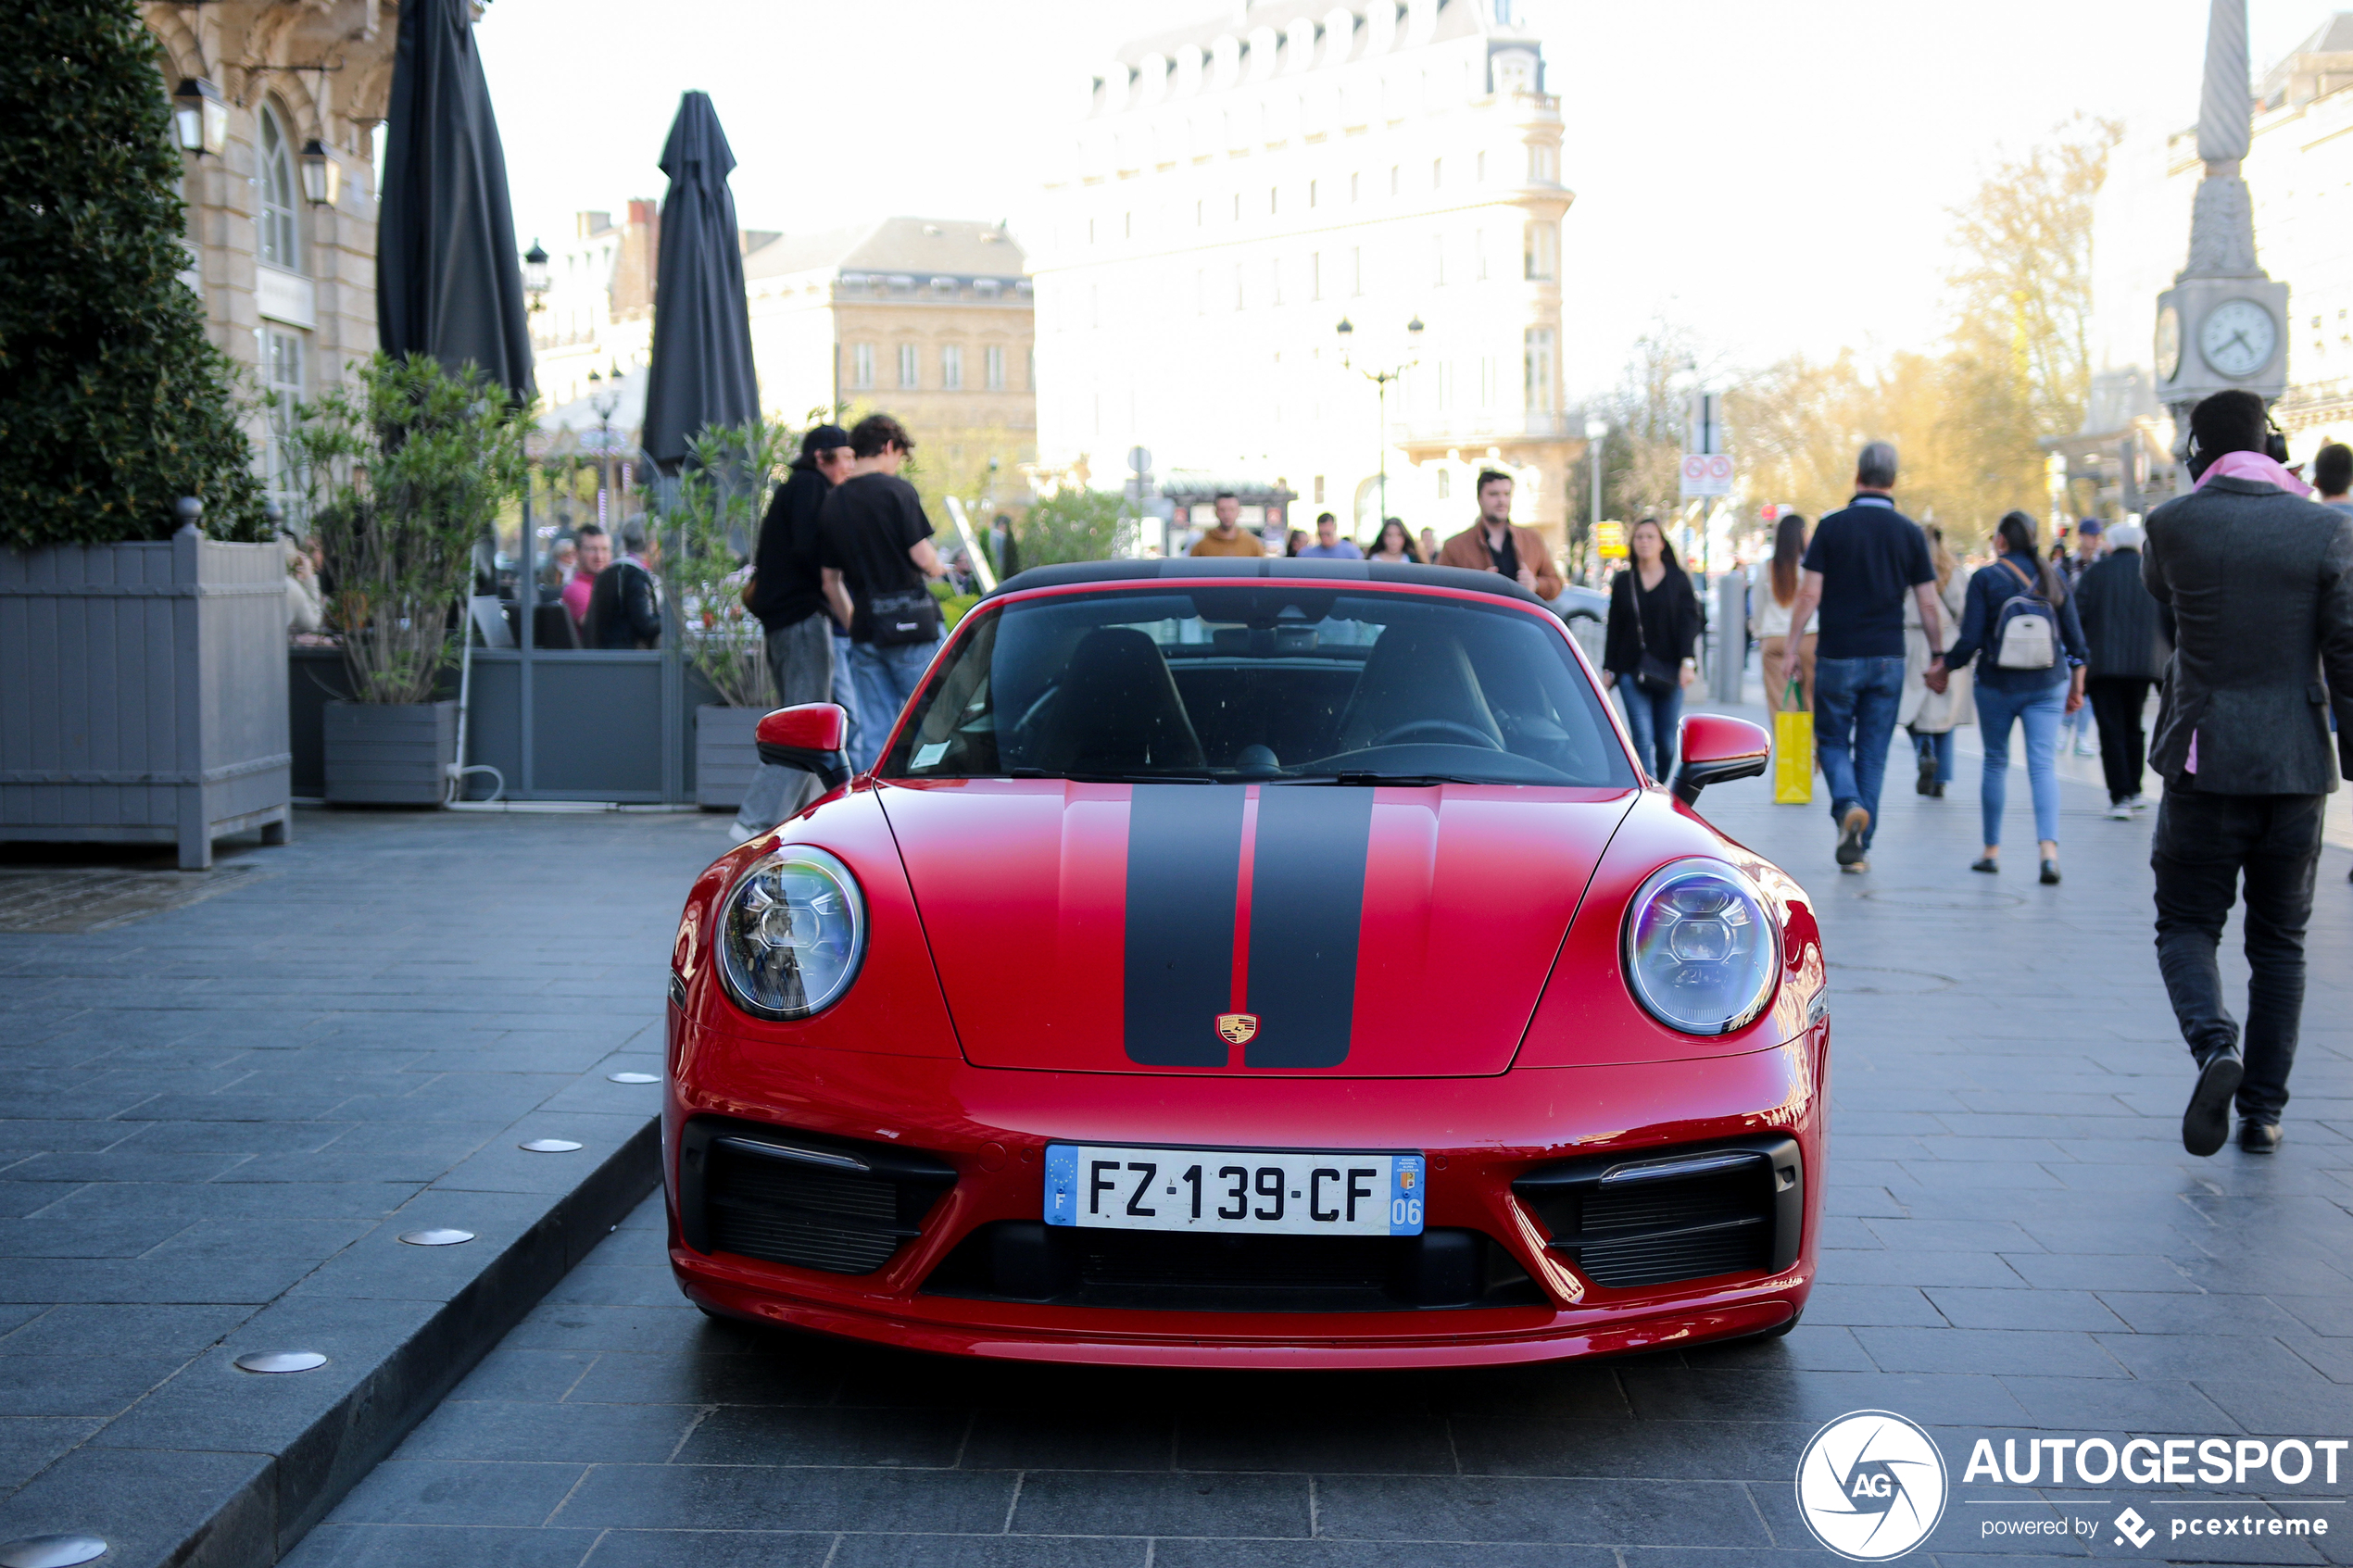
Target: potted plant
x,y
407,468
143,608
723,493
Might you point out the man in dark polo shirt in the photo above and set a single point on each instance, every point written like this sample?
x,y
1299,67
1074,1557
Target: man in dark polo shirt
x,y
1862,564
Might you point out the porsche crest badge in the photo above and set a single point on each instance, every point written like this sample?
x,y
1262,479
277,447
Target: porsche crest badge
x,y
1236,1028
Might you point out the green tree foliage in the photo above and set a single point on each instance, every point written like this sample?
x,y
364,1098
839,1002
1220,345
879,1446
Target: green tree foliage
x,y
1074,524
113,404
406,470
723,495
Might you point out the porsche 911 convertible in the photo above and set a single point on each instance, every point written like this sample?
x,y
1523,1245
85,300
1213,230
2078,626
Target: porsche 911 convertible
x,y
1250,963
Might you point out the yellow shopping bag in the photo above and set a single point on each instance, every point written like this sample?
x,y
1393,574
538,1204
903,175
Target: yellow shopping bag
x,y
1792,753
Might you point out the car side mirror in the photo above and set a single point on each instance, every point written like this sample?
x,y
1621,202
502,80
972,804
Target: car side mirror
x,y
810,737
1717,749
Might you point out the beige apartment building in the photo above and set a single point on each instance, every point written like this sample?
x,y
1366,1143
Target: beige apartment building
x,y
1239,188
928,318
282,98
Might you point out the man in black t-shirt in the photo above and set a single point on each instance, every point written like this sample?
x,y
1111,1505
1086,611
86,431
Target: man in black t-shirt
x,y
1862,562
789,593
874,531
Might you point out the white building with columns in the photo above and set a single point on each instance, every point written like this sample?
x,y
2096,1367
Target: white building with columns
x,y
1235,189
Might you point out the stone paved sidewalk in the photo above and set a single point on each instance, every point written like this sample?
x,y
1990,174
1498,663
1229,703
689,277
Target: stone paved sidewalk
x,y
217,1118
2017,1247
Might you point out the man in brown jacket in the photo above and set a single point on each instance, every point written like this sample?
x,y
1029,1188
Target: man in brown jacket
x,y
1494,544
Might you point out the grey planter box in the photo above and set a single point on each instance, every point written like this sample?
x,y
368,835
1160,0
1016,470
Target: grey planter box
x,y
726,754
144,698
389,753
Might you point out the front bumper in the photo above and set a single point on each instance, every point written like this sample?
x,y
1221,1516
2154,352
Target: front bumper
x,y
977,1137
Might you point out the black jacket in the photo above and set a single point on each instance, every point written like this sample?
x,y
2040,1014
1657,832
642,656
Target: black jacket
x,y
624,611
2260,583
2130,633
786,588
1671,621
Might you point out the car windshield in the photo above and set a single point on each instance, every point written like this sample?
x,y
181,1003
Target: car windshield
x,y
1270,682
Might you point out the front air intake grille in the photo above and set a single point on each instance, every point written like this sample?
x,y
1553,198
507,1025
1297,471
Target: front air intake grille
x,y
1672,1216
784,1196
1171,1270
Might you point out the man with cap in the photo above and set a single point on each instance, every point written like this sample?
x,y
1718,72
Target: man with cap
x,y
792,595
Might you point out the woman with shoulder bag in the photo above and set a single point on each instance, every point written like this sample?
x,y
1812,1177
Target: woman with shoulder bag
x,y
1646,657
1785,653
2021,627
1930,717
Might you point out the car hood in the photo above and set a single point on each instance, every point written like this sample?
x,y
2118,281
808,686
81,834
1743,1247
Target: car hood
x,y
1332,930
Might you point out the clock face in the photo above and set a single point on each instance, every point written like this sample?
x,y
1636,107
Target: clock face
x,y
2237,338
2169,343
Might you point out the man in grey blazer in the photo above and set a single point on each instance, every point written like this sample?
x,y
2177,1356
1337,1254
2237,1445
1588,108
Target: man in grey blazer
x,y
2260,583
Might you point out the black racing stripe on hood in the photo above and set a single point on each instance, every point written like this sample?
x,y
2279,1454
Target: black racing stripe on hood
x,y
1306,913
1184,858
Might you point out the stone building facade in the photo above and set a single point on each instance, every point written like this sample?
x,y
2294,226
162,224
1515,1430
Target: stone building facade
x,y
289,283
1238,188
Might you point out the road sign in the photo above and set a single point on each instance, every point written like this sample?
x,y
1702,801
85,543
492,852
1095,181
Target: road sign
x,y
1705,424
1139,459
1707,474
1609,540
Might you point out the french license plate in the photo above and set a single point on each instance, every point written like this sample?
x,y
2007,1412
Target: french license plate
x,y
1234,1191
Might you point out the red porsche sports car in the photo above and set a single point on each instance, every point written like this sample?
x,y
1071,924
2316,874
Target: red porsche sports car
x,y
1250,963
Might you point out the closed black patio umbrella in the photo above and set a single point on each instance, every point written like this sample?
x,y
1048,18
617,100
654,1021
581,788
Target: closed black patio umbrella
x,y
449,282
701,373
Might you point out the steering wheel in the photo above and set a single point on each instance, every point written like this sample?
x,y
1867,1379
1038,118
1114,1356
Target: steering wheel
x,y
1445,726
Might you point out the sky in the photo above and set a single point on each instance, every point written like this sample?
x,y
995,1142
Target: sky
x,y
1774,176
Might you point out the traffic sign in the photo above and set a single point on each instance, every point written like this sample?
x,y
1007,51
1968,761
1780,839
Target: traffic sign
x,y
1139,459
1609,540
1703,422
1707,474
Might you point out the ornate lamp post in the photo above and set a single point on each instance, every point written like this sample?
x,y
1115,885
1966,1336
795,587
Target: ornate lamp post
x,y
1381,380
604,400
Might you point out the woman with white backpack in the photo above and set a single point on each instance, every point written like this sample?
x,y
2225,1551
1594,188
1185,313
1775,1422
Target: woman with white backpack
x,y
2021,627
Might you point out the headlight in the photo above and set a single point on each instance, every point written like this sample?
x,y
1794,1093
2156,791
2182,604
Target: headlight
x,y
1702,951
792,933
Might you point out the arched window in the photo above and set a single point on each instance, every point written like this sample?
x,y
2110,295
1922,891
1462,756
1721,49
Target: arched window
x,y
280,244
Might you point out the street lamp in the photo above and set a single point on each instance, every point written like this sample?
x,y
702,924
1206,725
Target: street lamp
x,y
321,173
200,117
605,400
1381,380
535,277
1596,431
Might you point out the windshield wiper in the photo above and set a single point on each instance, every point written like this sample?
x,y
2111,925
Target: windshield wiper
x,y
1110,778
1360,778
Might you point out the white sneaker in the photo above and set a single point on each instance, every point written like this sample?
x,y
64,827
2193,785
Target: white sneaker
x,y
2139,803
739,833
2120,812
2085,748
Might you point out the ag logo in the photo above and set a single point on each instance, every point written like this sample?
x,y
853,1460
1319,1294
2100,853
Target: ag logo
x,y
1872,1485
1236,1028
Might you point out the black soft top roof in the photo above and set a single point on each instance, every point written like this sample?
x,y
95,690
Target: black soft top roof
x,y
1281,568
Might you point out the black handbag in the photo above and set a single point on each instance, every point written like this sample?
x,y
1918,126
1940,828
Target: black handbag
x,y
1651,673
903,616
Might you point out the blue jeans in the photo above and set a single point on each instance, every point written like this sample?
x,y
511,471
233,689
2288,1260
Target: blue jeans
x,y
2038,713
1936,750
1651,718
887,677
1855,701
845,693
800,661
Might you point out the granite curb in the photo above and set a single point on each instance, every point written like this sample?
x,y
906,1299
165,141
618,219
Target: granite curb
x,y
219,1468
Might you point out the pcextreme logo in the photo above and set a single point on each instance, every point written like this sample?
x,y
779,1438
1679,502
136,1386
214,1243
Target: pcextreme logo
x,y
1872,1485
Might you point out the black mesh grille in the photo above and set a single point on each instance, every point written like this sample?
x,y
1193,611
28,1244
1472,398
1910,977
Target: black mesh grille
x,y
1215,1263
768,1193
1627,1224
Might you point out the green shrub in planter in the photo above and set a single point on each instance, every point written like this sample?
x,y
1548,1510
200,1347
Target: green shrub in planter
x,y
406,469
723,493
113,403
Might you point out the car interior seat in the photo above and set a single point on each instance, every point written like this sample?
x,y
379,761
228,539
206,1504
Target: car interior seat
x,y
1117,710
1411,675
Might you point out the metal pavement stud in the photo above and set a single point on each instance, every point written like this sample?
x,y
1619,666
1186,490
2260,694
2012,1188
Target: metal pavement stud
x,y
632,1078
51,1552
281,1360
548,1146
436,1236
